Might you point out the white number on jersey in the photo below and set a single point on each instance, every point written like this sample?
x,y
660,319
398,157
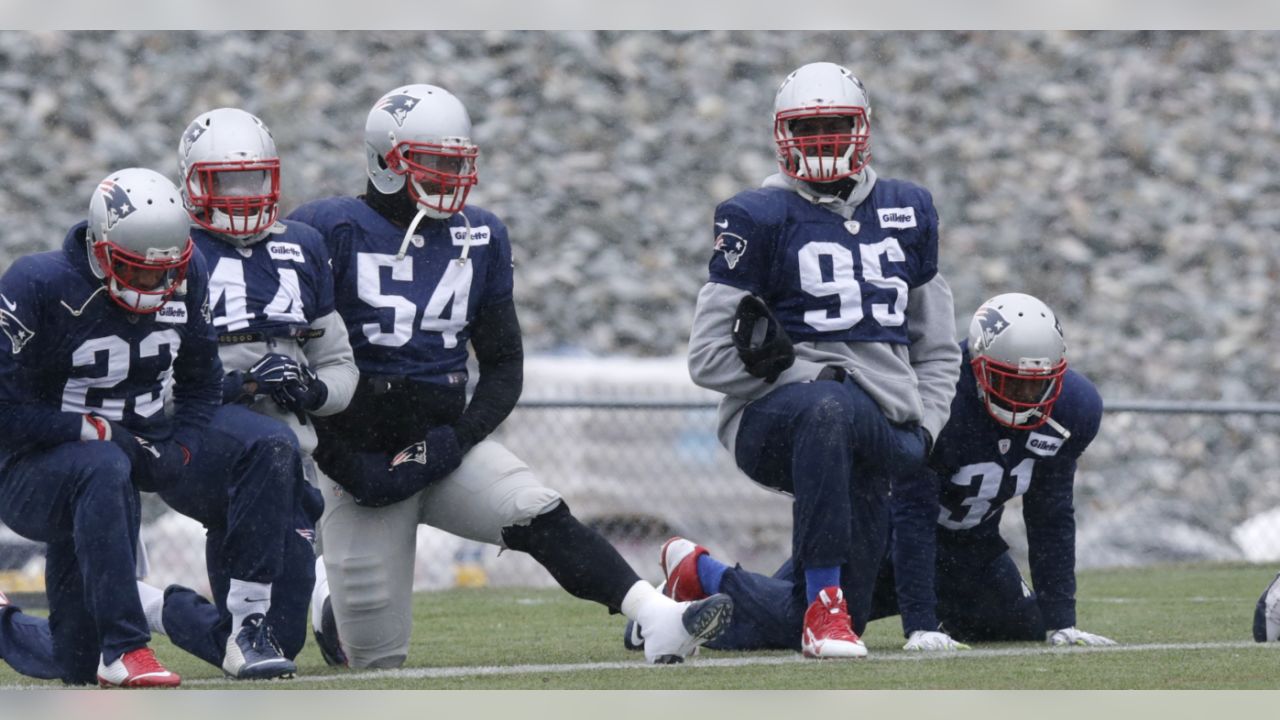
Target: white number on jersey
x,y
452,292
227,281
989,475
75,394
844,283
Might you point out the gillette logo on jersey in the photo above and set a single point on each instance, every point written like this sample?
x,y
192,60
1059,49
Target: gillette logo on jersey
x,y
479,235
119,206
291,252
992,323
903,217
174,311
733,246
398,107
1044,445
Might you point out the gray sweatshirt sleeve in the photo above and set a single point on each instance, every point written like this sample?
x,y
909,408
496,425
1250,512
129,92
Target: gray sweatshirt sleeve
x,y
330,357
934,353
713,361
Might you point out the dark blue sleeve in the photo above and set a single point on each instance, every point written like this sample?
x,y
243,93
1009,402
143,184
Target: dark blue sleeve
x,y
321,272
1050,517
197,371
914,508
335,235
742,254
26,423
926,250
499,280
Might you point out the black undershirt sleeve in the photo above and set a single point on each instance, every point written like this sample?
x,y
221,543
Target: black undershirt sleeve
x,y
495,337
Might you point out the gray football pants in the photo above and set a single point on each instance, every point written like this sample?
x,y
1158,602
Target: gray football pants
x,y
369,552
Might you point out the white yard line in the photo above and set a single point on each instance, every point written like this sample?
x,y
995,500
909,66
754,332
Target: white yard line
x,y
357,677
354,677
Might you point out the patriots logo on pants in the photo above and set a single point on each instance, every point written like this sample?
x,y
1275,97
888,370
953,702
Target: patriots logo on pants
x,y
398,107
733,246
416,452
992,323
119,206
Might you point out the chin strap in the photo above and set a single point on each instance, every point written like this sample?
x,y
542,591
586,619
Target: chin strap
x,y
1066,434
408,236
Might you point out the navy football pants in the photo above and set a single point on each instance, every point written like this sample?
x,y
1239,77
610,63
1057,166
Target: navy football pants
x,y
830,446
78,498
981,598
246,486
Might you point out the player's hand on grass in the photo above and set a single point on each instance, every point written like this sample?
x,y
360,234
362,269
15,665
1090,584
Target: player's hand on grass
x,y
1074,636
932,641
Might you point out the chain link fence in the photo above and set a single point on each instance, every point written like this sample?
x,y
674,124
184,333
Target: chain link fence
x,y
1163,482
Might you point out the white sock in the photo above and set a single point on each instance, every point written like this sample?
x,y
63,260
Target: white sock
x,y
245,599
643,601
319,592
152,599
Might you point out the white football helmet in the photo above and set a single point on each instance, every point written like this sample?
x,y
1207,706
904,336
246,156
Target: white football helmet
x,y
422,134
1018,358
139,238
230,174
822,124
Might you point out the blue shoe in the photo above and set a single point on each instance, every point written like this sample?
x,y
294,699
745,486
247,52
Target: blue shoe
x,y
1266,618
327,637
252,653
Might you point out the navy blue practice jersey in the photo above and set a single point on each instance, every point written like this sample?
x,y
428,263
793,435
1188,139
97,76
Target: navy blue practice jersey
x,y
66,349
976,467
983,465
282,283
826,278
411,317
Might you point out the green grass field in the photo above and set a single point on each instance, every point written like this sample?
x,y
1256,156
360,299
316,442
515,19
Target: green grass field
x,y
1183,626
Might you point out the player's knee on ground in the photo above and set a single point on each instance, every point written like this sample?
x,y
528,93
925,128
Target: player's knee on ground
x,y
374,633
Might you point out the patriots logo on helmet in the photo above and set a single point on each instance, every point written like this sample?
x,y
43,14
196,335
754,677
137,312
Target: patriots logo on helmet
x,y
193,133
119,206
733,246
992,324
19,334
398,107
416,452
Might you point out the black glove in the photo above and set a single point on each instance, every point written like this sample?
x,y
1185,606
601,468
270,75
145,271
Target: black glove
x,y
271,371
306,393
774,353
376,479
156,466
